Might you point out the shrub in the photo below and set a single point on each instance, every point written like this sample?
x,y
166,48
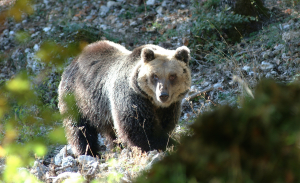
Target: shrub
x,y
255,143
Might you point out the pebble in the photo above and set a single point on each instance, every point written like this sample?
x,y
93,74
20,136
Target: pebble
x,y
266,66
150,2
85,159
246,68
46,29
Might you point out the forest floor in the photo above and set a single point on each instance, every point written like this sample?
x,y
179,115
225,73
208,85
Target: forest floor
x,y
219,77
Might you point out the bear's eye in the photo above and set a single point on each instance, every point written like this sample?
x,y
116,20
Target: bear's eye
x,y
172,77
155,77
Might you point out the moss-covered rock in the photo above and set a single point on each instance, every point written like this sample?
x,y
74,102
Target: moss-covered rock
x,y
258,142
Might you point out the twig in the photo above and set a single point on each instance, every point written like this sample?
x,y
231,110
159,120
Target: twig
x,y
243,84
191,97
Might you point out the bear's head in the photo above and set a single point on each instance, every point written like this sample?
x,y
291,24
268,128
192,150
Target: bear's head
x,y
164,75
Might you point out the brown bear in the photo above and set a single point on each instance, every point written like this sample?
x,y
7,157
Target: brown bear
x,y
133,95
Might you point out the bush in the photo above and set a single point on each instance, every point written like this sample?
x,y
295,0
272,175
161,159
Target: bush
x,y
258,142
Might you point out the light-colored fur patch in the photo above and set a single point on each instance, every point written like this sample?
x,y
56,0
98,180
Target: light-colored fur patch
x,y
164,65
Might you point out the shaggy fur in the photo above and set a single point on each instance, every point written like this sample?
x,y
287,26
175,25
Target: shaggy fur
x,y
135,96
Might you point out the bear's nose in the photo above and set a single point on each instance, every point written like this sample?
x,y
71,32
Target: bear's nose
x,y
164,97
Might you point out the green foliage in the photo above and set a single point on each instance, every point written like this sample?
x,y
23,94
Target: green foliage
x,y
255,143
209,19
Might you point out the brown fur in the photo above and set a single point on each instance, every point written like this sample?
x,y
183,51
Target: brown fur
x,y
135,94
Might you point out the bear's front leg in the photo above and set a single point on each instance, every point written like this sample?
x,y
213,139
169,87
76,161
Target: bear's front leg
x,y
138,125
82,136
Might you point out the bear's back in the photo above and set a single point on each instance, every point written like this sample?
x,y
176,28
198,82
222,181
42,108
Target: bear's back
x,y
105,52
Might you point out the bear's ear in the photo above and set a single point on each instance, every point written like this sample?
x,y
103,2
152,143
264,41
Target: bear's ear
x,y
183,54
147,55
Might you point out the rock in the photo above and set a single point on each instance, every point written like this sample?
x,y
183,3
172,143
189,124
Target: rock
x,y
36,47
296,61
64,152
71,176
266,66
103,10
68,161
286,27
160,10
277,60
266,54
39,169
46,29
164,3
246,68
133,23
279,47
150,2
111,4
218,85
157,157
85,159
287,36
2,168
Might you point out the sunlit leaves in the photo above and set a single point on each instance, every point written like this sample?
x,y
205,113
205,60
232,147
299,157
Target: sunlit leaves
x,y
3,106
22,36
18,84
2,152
51,52
57,136
19,8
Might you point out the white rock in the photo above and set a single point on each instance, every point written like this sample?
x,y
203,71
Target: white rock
x,y
266,66
150,2
68,161
279,47
39,169
71,176
218,85
85,159
286,27
119,25
266,54
277,60
46,29
11,33
75,18
193,88
246,68
292,35
284,56
164,4
103,10
157,157
160,10
296,60
274,73
111,4
64,152
103,26
35,34
36,47
27,50
133,23
251,73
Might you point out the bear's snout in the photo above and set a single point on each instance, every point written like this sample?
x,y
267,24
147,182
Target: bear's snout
x,y
164,97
